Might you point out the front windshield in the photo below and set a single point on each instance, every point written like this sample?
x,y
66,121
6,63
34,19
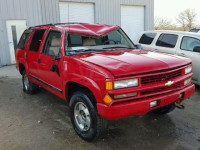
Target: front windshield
x,y
86,44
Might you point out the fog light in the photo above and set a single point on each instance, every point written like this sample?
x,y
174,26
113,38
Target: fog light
x,y
125,96
188,81
154,104
107,100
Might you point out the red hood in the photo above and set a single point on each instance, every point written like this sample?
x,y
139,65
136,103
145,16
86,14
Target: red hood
x,y
130,62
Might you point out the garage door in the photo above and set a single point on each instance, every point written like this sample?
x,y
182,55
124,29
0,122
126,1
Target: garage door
x,y
76,12
132,20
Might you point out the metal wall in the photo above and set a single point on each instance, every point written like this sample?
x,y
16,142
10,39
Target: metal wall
x,y
37,12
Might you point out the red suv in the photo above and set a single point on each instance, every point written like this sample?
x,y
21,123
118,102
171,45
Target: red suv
x,y
100,73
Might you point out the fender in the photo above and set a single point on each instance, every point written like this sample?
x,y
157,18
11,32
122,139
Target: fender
x,y
87,82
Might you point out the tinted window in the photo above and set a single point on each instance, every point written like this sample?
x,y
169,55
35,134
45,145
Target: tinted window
x,y
195,30
167,40
147,38
24,39
36,40
189,43
53,44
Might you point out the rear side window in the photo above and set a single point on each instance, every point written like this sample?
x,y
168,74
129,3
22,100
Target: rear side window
x,y
36,40
189,43
24,39
147,38
167,40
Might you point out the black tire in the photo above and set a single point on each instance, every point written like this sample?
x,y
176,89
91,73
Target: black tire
x,y
164,110
29,88
97,124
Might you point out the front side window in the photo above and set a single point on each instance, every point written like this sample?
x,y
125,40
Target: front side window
x,y
52,44
36,40
147,38
167,40
86,43
189,43
24,39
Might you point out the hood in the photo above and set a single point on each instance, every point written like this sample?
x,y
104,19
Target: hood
x,y
130,62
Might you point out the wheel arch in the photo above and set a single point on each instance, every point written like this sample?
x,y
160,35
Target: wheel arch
x,y
83,84
21,68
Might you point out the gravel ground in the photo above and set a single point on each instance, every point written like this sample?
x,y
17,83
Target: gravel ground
x,y
41,122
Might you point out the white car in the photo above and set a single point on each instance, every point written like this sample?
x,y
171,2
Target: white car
x,y
186,44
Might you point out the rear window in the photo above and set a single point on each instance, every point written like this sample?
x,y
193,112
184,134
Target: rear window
x,y
147,38
167,40
24,39
36,40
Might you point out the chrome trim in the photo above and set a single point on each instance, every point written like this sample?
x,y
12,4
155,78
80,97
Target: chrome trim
x,y
51,86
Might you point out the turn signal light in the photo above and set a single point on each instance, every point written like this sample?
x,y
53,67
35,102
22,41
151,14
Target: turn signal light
x,y
109,85
107,100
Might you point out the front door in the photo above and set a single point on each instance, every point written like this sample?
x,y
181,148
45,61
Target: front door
x,y
50,69
15,28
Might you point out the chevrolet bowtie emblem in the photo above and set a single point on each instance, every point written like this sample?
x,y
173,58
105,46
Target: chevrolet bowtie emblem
x,y
169,83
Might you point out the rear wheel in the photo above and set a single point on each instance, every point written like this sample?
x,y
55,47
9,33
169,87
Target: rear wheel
x,y
28,87
85,119
164,110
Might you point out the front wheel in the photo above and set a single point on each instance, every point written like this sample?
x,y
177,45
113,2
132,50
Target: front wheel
x,y
85,119
164,110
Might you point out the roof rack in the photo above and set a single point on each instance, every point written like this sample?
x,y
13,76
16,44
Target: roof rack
x,y
57,24
71,23
42,25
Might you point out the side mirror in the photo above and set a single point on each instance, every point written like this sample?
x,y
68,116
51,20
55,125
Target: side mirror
x,y
196,49
57,57
138,46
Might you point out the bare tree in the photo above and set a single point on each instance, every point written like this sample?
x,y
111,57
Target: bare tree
x,y
164,24
187,19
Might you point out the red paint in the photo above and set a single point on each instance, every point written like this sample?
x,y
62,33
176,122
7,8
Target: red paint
x,y
94,69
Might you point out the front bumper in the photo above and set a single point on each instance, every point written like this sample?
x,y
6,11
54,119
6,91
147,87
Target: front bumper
x,y
141,107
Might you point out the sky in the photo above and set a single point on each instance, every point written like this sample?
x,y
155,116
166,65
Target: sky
x,y
170,9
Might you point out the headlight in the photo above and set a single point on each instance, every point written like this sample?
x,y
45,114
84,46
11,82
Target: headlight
x,y
188,70
125,83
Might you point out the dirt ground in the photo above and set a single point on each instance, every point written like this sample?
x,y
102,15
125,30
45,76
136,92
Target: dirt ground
x,y
41,122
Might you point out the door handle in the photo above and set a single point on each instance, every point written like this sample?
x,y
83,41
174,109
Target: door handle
x,y
182,54
39,61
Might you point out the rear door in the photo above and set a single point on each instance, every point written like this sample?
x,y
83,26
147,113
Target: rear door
x,y
51,48
32,55
186,49
167,43
22,46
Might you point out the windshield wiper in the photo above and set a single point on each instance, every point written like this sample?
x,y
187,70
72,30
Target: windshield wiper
x,y
82,51
118,47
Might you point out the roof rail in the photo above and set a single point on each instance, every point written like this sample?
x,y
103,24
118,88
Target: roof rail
x,y
42,25
57,24
71,23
